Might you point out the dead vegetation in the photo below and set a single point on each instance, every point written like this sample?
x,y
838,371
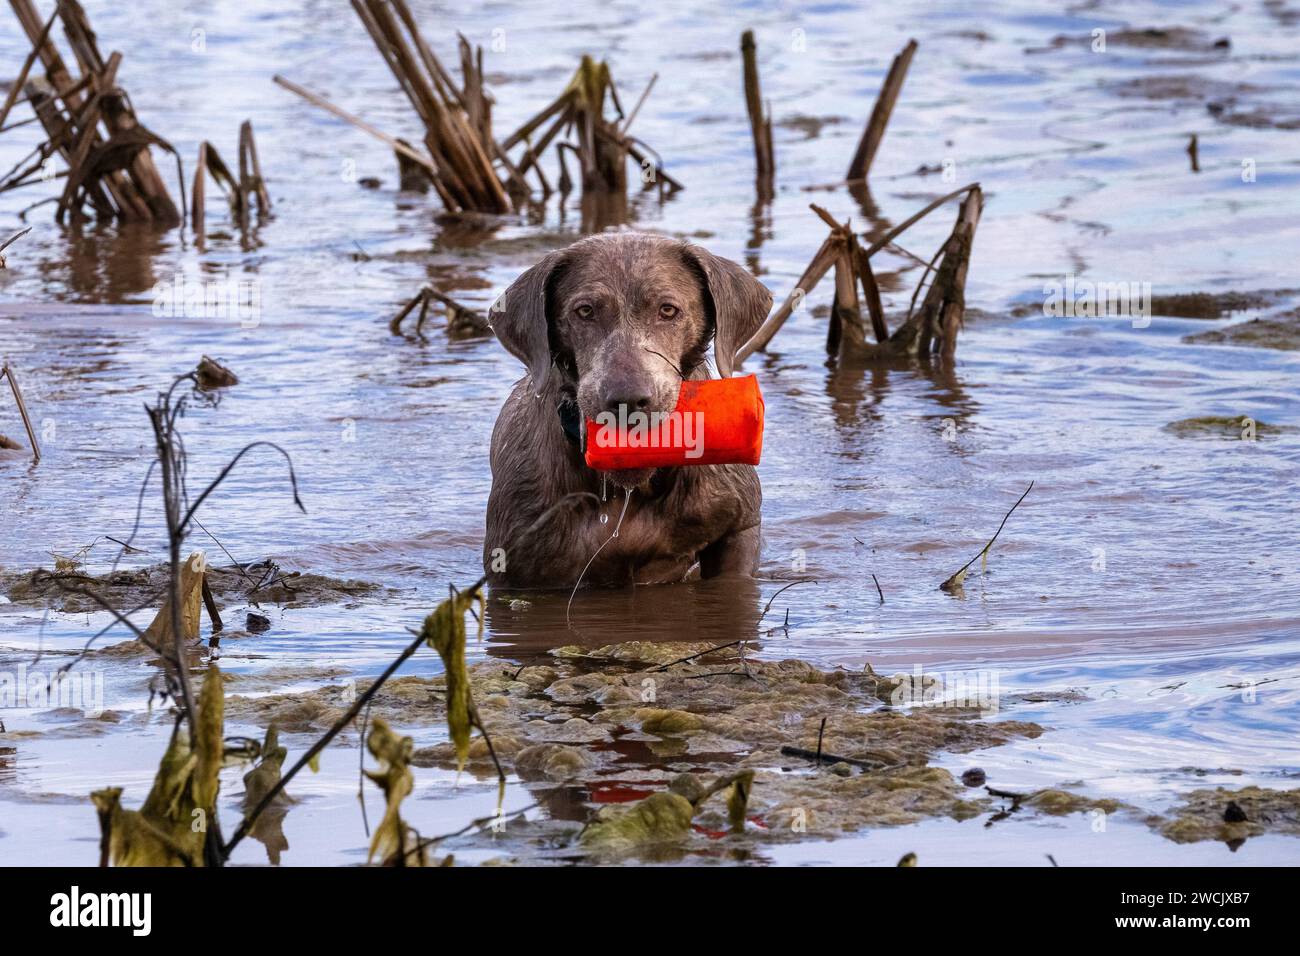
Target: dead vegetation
x,y
601,145
468,167
930,330
462,322
240,193
457,121
760,120
860,165
7,374
90,124
954,584
178,824
927,329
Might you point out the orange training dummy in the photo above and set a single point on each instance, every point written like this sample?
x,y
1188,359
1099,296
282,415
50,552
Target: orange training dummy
x,y
716,422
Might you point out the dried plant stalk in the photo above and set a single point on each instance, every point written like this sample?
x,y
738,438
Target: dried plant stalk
x,y
860,166
7,372
457,122
933,328
760,123
112,171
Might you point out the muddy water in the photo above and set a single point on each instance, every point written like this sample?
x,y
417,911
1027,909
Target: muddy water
x,y
1155,573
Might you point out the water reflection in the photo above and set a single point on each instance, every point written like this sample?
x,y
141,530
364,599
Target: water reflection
x,y
109,263
719,610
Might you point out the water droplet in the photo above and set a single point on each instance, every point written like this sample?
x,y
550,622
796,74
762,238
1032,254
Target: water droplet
x,y
604,519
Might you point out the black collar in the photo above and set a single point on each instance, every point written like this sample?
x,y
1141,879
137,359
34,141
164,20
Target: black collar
x,y
570,419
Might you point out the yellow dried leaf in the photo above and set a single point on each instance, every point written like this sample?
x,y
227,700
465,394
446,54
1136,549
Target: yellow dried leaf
x,y
159,633
268,828
392,841
738,800
259,781
171,828
444,631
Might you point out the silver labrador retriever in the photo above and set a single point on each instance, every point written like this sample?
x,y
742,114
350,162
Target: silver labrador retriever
x,y
616,319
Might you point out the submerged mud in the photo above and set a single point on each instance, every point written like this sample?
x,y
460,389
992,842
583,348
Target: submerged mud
x,y
1280,331
1213,305
263,582
644,737
1241,428
1231,816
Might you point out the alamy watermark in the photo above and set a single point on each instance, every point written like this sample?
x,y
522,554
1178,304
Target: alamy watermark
x,y
191,298
973,689
639,429
81,689
1077,298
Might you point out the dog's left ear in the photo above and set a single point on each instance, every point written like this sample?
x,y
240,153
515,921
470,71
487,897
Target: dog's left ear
x,y
520,320
740,304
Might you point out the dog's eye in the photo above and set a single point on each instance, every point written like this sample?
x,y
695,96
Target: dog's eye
x,y
583,311
667,311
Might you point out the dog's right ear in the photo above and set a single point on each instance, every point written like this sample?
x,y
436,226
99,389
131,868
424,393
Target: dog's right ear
x,y
520,320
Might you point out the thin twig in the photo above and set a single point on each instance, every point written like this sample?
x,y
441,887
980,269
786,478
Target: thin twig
x,y
955,582
778,593
691,657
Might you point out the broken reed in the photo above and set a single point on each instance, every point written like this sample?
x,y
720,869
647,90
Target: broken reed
x,y
8,373
760,120
860,165
457,122
931,330
601,145
461,320
240,193
111,170
464,163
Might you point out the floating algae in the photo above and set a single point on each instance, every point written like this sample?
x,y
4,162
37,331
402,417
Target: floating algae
x,y
551,761
1281,331
563,725
1231,816
660,817
655,721
139,586
555,725
641,652
296,713
1239,428
1211,305
666,815
1059,803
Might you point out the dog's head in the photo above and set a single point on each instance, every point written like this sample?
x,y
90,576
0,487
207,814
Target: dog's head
x,y
621,318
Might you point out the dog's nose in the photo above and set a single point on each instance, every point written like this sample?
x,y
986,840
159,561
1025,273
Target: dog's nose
x,y
636,401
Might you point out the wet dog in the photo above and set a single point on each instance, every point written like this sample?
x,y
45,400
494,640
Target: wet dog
x,y
613,323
